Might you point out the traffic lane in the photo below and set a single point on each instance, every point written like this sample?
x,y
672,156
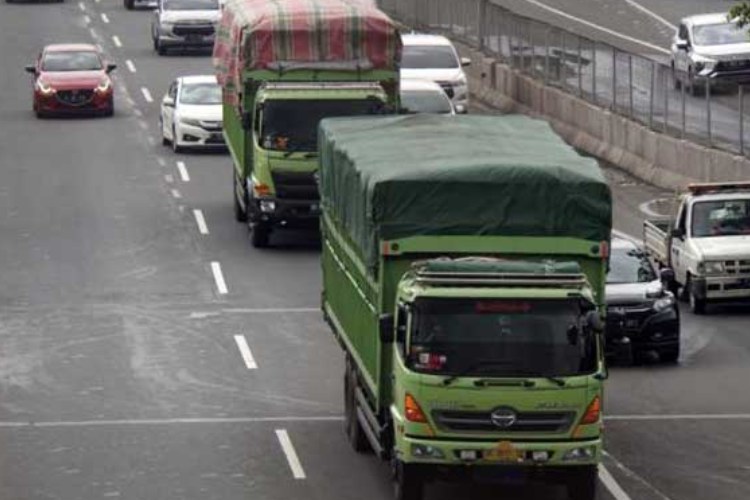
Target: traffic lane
x,y
685,460
137,460
675,10
616,17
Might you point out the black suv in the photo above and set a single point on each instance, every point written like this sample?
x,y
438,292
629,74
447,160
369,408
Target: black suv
x,y
642,315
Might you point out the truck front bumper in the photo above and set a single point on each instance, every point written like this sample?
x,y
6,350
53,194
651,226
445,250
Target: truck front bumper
x,y
718,288
499,454
276,212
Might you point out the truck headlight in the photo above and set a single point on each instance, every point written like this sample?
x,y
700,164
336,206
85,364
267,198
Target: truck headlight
x,y
704,66
711,267
267,206
582,453
426,451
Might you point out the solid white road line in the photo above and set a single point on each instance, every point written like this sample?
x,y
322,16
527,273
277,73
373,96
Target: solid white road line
x,y
247,356
105,19
168,421
183,171
597,27
685,416
651,13
176,194
146,94
201,221
291,455
221,285
609,482
116,41
130,65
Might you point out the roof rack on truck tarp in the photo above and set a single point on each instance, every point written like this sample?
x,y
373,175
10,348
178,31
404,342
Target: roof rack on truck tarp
x,y
302,34
384,178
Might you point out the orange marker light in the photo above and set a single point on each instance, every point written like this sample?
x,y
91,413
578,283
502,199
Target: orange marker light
x,y
593,412
413,411
261,189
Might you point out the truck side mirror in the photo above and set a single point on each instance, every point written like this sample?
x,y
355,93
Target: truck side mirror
x,y
682,44
678,233
594,322
667,276
385,325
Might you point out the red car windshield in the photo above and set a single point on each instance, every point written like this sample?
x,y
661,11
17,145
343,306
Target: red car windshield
x,y
71,61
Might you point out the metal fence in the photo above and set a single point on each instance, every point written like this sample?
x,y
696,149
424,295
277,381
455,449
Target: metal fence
x,y
643,88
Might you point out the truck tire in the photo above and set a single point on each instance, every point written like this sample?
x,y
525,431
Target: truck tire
x,y
240,215
408,483
354,432
581,483
697,305
260,235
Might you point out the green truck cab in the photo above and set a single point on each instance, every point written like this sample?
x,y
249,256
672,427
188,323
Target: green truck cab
x,y
463,275
283,69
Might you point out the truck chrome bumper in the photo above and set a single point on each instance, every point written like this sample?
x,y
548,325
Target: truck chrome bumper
x,y
722,287
278,212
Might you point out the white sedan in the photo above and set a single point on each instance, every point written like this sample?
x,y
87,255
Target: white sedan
x,y
191,114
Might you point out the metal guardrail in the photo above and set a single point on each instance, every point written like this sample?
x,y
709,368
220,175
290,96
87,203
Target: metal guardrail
x,y
637,86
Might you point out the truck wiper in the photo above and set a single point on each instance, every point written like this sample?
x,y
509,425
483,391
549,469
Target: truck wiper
x,y
560,382
479,364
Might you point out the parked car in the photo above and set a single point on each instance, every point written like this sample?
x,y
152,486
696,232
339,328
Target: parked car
x,y
642,314
425,96
433,57
72,79
191,113
184,24
710,46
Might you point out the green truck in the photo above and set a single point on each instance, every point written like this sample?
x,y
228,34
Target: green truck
x,y
283,67
464,262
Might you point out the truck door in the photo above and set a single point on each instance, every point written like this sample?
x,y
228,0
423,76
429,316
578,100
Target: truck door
x,y
677,245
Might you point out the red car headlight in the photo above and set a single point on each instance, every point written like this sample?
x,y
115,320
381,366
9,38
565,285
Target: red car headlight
x,y
44,88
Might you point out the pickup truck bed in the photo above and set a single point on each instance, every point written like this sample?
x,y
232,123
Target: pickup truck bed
x,y
656,239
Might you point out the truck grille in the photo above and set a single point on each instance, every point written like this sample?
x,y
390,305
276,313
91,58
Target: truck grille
x,y
525,421
737,266
76,97
295,185
186,29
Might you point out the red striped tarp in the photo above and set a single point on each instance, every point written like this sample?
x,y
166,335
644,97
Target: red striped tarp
x,y
288,34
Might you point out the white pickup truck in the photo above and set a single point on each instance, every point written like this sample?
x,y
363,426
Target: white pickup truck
x,y
707,243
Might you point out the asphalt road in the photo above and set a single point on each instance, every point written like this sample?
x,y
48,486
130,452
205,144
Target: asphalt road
x,y
121,373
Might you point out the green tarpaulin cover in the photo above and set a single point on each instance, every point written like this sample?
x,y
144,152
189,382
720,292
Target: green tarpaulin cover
x,y
383,178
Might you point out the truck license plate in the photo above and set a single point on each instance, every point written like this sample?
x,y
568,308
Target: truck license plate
x,y
504,452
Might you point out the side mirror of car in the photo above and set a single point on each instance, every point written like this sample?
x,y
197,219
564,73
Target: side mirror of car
x,y
682,44
667,276
168,102
30,69
465,61
385,325
111,68
678,233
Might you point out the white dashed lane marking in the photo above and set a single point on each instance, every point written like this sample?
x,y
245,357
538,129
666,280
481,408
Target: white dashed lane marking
x,y
247,355
183,171
221,285
201,221
116,41
130,65
146,94
291,455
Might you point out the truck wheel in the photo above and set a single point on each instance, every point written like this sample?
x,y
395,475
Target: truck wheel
x,y
408,483
259,235
697,305
354,432
581,484
240,215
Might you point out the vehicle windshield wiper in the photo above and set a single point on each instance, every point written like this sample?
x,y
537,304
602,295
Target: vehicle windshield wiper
x,y
479,364
560,382
297,148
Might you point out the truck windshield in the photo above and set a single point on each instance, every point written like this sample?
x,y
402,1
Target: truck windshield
x,y
721,218
292,124
500,338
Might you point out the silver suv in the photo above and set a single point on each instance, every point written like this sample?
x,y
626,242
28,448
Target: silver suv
x,y
185,23
709,46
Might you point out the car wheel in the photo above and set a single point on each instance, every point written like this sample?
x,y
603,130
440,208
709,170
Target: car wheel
x,y
240,215
697,304
670,355
175,146
260,235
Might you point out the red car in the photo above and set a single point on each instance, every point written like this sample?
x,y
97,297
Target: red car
x,y
72,79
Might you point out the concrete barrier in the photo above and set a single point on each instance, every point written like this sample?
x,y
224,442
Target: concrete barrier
x,y
664,161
